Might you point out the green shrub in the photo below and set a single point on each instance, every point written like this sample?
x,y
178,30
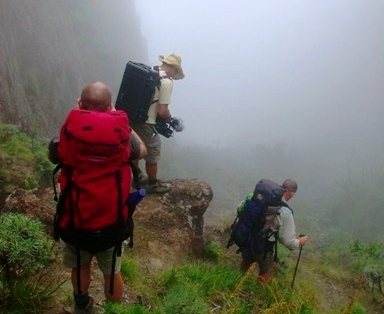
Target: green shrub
x,y
183,299
365,255
212,252
7,131
25,161
25,251
116,308
353,308
24,247
129,269
42,165
30,294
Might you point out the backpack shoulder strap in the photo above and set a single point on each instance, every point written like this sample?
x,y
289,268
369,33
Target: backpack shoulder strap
x,y
166,77
135,173
284,204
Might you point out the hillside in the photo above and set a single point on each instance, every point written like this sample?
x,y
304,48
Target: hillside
x,y
50,49
170,235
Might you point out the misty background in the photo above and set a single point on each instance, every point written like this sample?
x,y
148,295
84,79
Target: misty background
x,y
302,78
285,71
273,89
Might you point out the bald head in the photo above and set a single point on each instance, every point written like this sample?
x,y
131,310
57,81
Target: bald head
x,y
96,96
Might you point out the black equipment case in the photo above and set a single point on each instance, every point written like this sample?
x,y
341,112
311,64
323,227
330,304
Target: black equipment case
x,y
136,90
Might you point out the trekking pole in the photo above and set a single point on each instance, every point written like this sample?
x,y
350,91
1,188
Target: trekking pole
x,y
297,263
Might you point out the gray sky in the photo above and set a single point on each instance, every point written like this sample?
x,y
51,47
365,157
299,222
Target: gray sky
x,y
276,70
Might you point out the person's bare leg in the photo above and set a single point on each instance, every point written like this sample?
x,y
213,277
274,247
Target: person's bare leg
x,y
153,185
85,278
82,301
151,172
118,287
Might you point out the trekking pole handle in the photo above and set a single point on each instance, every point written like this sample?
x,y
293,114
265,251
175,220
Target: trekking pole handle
x,y
300,236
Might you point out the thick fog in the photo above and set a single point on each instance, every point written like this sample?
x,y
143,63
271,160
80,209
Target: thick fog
x,y
275,71
273,89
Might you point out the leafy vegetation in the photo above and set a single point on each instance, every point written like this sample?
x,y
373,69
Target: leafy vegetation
x,y
23,244
197,286
217,285
25,252
25,162
200,286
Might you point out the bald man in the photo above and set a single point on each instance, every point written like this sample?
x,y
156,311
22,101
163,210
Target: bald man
x,y
95,96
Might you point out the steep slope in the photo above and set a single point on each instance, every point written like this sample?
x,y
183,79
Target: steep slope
x,y
50,49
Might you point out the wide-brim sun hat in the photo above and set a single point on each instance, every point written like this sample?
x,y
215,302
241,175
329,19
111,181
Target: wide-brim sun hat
x,y
175,61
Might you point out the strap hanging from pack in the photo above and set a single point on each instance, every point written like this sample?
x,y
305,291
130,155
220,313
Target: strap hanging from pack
x,y
55,170
111,280
117,251
117,248
78,270
275,258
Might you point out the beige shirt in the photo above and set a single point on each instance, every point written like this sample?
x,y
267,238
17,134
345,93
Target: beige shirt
x,y
162,96
287,230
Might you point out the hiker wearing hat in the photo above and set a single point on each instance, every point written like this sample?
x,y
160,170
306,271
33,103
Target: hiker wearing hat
x,y
169,70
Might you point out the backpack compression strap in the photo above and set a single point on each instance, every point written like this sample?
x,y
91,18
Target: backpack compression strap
x,y
117,249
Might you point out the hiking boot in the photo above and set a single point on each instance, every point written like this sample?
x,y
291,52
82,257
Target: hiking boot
x,y
86,308
157,188
143,179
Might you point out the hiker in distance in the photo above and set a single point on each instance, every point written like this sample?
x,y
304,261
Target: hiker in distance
x,y
95,100
169,70
285,234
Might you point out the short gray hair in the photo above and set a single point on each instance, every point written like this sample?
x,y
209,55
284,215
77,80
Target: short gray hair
x,y
290,185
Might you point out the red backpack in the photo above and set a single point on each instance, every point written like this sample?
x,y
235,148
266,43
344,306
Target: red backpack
x,y
95,179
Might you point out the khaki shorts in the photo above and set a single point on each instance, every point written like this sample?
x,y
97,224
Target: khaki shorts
x,y
151,139
104,259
